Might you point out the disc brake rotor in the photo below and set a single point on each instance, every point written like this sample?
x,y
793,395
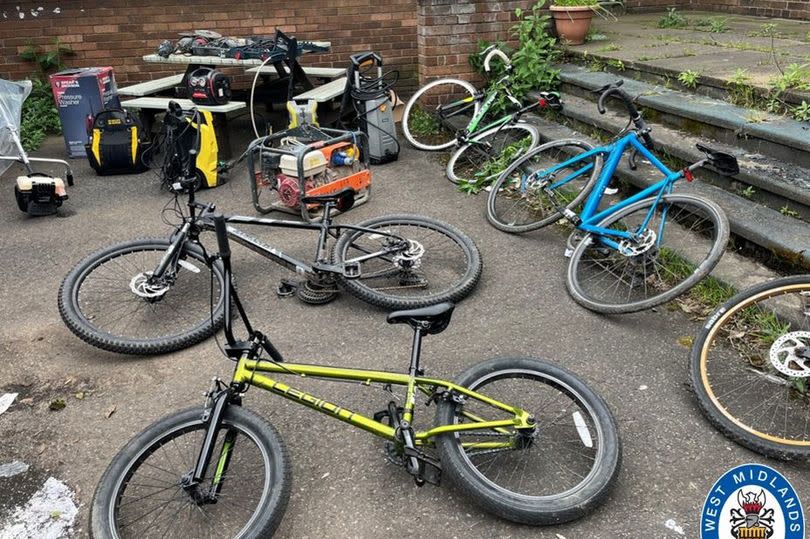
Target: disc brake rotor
x,y
787,354
643,244
411,258
142,286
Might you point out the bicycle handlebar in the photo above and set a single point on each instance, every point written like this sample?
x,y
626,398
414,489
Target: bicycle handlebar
x,y
614,89
496,52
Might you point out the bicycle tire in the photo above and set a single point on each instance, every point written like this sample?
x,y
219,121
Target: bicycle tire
x,y
509,201
106,510
735,337
471,158
83,319
413,108
635,268
414,288
489,488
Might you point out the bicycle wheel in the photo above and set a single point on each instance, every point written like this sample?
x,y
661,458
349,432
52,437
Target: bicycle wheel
x,y
483,158
683,240
108,300
141,494
428,128
557,473
518,201
440,263
750,368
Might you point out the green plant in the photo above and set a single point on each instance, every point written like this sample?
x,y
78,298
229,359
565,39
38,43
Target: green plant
x,y
493,168
740,91
802,112
715,25
536,53
39,115
422,123
756,117
748,192
787,211
794,76
617,64
47,60
672,19
689,78
610,48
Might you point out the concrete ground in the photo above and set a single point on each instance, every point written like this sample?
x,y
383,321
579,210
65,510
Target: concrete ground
x,y
747,44
343,486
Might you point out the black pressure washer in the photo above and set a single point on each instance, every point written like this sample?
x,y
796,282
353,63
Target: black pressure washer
x,y
367,106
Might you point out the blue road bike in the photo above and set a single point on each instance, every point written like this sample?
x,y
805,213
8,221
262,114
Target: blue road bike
x,y
629,256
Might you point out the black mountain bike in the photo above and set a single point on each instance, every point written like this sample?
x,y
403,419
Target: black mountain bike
x,y
150,296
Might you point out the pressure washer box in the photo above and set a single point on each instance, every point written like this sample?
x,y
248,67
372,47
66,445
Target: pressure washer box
x,y
80,93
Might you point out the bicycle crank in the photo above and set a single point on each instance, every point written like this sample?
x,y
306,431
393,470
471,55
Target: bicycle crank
x,y
790,354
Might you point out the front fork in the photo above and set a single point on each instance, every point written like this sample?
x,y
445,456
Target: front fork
x,y
217,399
174,251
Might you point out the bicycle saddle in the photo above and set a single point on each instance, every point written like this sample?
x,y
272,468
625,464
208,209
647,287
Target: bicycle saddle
x,y
343,199
431,320
725,164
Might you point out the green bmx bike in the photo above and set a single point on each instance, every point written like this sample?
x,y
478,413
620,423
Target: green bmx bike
x,y
525,440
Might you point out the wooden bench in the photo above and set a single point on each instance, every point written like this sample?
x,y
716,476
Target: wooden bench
x,y
325,93
151,87
150,106
317,72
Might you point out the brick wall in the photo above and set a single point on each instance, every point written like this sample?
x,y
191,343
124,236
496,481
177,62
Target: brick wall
x,y
449,30
655,5
788,9
122,31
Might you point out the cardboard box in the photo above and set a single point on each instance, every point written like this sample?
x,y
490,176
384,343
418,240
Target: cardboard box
x,y
80,93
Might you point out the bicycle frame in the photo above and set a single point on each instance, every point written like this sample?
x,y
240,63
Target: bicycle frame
x,y
321,264
473,126
590,215
249,371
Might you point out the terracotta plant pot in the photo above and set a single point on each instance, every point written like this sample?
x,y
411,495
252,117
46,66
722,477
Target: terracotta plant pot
x,y
572,22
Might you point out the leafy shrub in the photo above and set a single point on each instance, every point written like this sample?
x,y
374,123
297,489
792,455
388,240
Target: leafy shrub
x,y
672,19
532,62
39,114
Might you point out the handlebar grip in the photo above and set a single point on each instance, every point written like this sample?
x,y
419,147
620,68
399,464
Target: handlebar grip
x,y
69,178
495,52
222,236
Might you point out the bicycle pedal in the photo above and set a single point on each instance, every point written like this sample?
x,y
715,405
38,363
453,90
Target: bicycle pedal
x,y
568,253
286,289
351,271
431,473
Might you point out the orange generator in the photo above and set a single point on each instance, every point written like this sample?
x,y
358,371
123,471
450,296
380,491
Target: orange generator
x,y
307,161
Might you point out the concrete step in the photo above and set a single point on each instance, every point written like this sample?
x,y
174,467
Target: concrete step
x,y
762,179
767,228
716,87
756,132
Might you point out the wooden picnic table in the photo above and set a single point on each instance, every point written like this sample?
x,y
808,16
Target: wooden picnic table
x,y
287,67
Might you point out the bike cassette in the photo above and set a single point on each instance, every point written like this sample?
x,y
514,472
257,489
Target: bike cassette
x,y
142,286
790,354
642,244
